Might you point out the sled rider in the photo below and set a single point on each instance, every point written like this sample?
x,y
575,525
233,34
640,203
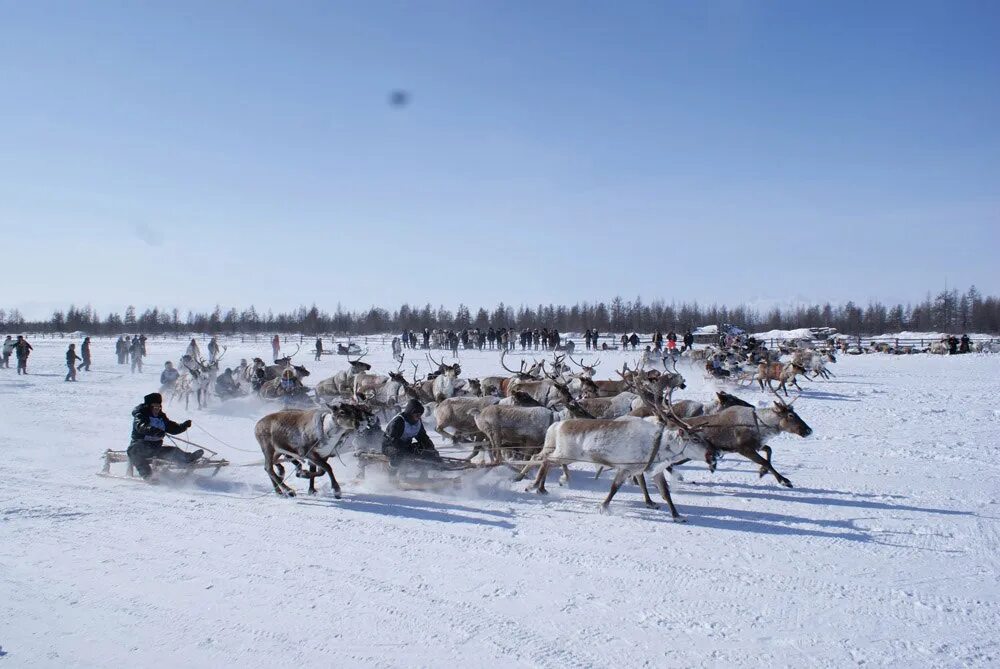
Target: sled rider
x,y
406,439
149,426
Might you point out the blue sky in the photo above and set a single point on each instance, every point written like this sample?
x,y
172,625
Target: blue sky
x,y
187,154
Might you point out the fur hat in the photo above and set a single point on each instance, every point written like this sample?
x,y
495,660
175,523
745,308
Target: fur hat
x,y
413,407
152,398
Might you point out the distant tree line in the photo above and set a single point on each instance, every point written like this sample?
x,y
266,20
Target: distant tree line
x,y
949,311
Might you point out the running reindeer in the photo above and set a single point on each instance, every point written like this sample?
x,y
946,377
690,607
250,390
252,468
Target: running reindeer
x,y
306,438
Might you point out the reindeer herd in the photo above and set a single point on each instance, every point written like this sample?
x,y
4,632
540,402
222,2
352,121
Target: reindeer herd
x,y
549,413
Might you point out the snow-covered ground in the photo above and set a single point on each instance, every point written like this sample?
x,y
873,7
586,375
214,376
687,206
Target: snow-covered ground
x,y
886,552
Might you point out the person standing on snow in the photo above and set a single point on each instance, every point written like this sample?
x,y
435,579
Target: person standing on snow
x,y
319,347
135,349
85,352
213,350
688,341
275,347
22,349
149,426
71,358
8,348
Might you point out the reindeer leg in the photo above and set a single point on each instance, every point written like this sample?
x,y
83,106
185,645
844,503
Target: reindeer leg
x,y
524,471
677,476
661,482
615,485
279,485
600,470
641,480
754,456
564,479
312,478
539,485
325,464
763,470
476,449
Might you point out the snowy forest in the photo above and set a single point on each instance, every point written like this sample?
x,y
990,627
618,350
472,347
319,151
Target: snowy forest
x,y
948,311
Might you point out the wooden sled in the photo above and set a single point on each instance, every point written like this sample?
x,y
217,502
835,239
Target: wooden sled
x,y
160,467
416,474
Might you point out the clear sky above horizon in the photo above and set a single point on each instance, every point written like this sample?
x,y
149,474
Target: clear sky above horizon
x,y
187,154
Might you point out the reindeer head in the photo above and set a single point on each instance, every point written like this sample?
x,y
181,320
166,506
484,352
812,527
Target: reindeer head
x,y
523,399
789,421
588,388
358,367
300,371
475,387
345,416
727,400
399,378
586,371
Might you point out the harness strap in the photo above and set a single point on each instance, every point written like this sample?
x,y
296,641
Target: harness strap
x,y
656,449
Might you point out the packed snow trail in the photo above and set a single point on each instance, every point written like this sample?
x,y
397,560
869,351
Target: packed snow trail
x,y
885,552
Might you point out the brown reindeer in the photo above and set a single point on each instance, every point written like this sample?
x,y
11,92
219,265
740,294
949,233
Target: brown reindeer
x,y
306,437
746,430
500,385
782,372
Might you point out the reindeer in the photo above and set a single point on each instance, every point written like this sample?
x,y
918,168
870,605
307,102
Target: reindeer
x,y
630,446
280,364
692,408
746,430
342,383
386,395
776,371
305,437
586,373
498,385
524,427
444,384
184,387
609,388
814,361
459,414
611,407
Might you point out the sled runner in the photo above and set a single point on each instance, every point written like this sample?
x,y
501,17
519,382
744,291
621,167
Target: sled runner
x,y
161,467
414,474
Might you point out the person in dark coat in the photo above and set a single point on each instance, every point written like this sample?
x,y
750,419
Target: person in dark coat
x,y
213,350
168,377
319,347
634,340
22,349
952,345
149,426
85,352
71,358
688,341
406,439
963,345
225,385
135,350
